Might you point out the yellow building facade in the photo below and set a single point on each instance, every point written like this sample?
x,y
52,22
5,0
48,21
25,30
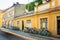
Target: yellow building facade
x,y
1,13
46,15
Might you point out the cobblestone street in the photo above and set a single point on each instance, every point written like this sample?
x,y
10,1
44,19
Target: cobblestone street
x,y
5,36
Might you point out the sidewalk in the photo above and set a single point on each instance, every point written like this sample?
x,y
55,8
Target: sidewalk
x,y
28,36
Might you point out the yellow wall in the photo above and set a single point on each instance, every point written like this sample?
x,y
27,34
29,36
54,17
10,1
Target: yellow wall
x,y
35,20
1,19
52,21
32,18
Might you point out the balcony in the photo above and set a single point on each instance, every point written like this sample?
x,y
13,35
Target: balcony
x,y
48,7
44,7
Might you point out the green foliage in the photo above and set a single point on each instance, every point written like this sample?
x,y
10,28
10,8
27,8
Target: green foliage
x,y
39,2
30,6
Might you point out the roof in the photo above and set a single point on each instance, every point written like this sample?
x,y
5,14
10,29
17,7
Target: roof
x,y
1,10
12,6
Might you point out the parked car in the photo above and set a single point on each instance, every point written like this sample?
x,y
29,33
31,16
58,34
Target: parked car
x,y
4,26
15,28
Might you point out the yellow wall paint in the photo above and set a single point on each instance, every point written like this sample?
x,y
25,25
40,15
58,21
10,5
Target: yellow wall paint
x,y
24,19
1,18
52,26
35,20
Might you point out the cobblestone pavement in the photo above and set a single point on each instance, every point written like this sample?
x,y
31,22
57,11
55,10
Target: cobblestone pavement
x,y
12,37
5,36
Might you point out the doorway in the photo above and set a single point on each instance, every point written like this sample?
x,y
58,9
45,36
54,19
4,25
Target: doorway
x,y
58,25
22,25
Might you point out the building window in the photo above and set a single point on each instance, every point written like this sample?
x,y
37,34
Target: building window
x,y
17,23
58,2
11,23
43,23
53,3
28,23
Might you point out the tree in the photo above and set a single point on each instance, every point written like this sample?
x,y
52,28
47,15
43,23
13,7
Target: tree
x,y
30,6
39,1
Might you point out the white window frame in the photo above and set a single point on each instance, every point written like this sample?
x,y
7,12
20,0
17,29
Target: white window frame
x,y
58,2
27,24
47,22
53,3
44,7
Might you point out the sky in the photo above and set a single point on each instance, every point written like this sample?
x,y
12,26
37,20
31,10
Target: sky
x,y
4,4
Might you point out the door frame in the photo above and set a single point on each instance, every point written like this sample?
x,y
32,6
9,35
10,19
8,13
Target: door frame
x,y
56,24
22,25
